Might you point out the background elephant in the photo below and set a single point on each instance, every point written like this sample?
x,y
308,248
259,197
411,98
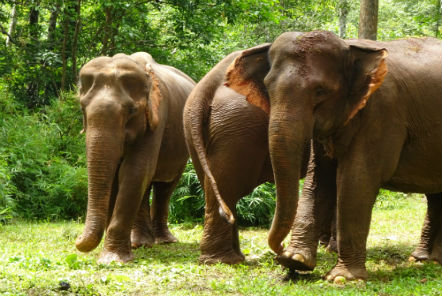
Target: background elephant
x,y
132,110
323,87
228,141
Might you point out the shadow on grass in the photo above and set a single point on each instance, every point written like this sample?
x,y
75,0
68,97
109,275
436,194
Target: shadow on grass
x,y
408,272
390,254
306,277
169,253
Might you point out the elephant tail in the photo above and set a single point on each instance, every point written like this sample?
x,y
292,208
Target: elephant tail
x,y
196,113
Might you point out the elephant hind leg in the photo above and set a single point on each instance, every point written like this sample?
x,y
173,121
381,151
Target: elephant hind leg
x,y
160,210
436,250
220,241
142,231
430,245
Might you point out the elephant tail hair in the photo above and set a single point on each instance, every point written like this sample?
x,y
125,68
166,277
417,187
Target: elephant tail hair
x,y
196,114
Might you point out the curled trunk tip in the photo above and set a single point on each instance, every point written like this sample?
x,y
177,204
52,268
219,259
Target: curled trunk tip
x,y
88,242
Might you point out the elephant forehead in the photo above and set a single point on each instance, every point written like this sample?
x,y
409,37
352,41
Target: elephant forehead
x,y
112,69
302,45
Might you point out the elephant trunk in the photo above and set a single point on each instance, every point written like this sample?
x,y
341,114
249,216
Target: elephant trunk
x,y
102,162
288,131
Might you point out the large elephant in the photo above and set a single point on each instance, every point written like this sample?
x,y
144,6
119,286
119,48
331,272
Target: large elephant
x,y
322,87
132,112
228,143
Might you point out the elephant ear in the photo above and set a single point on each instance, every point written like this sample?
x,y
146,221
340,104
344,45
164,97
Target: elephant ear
x,y
148,64
154,100
246,75
366,71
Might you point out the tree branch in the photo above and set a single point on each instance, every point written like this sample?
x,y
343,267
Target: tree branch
x,y
10,37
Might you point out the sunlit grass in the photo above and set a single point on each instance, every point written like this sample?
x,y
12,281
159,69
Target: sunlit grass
x,y
41,259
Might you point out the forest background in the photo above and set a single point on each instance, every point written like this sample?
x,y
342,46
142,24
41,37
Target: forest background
x,y
44,43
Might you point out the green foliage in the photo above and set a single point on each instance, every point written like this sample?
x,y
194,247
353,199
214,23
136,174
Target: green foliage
x,y
257,208
187,201
43,163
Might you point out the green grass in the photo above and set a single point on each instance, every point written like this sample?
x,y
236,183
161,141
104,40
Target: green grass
x,y
41,259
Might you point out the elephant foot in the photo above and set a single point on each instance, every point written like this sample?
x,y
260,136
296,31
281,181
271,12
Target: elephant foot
x,y
107,257
436,254
341,273
230,258
138,240
423,255
332,246
296,261
420,254
86,243
165,237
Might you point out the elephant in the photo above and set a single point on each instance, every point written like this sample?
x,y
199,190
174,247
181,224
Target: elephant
x,y
227,141
132,116
373,107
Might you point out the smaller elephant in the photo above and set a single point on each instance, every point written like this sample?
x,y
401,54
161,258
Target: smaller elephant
x,y
132,116
228,143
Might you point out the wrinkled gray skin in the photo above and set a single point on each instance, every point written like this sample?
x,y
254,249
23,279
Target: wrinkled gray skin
x,y
132,110
325,88
228,142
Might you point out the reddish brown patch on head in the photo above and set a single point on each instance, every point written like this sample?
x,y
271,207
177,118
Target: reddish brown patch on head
x,y
154,100
235,80
246,74
376,78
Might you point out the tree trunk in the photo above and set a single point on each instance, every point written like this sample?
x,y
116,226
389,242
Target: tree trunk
x,y
75,41
63,52
12,24
368,19
52,25
107,30
343,12
34,13
438,18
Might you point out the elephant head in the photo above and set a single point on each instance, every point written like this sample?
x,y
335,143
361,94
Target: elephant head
x,y
120,98
316,84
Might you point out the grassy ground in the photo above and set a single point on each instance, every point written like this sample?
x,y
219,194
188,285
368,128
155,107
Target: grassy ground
x,y
40,259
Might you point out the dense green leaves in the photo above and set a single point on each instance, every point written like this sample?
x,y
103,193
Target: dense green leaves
x,y
42,165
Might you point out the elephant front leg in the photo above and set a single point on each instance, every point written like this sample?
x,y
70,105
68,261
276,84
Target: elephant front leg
x,y
142,231
117,244
220,241
160,210
430,246
356,195
315,212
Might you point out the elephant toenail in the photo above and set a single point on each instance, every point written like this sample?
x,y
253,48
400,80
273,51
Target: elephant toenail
x,y
340,280
299,258
287,254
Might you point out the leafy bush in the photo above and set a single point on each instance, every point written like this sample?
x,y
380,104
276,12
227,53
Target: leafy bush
x,y
187,201
43,170
257,208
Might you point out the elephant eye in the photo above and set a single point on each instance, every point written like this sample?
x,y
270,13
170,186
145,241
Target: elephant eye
x,y
133,85
86,81
320,91
132,110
